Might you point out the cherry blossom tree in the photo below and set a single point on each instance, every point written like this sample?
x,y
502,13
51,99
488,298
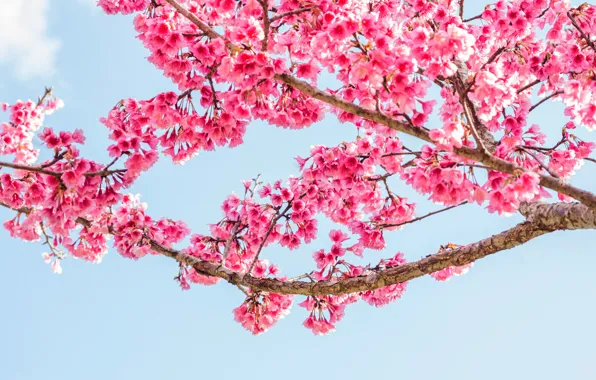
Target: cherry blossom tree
x,y
235,61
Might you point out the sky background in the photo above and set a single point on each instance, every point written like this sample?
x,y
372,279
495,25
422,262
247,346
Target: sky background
x,y
523,314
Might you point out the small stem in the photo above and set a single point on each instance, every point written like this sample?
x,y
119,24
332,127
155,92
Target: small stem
x,y
540,163
531,84
290,13
47,93
424,216
545,99
472,18
581,32
229,242
57,158
271,227
243,290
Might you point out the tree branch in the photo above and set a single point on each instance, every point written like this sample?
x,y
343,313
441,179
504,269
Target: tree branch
x,y
266,24
290,13
30,169
41,170
545,99
424,216
209,32
542,219
529,85
556,184
274,221
586,197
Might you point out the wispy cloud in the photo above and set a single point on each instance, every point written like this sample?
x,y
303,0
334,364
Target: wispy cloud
x,y
26,49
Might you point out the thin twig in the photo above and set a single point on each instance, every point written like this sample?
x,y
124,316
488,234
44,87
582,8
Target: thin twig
x,y
582,33
229,241
46,94
243,290
271,227
473,129
541,163
195,20
290,13
472,18
556,93
30,169
423,217
531,84
57,158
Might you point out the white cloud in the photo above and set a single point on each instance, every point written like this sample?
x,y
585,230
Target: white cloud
x,y
25,47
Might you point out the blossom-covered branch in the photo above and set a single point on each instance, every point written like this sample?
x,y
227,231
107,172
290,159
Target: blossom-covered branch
x,y
235,63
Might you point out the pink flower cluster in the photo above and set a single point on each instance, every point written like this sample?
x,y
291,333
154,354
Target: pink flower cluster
x,y
232,68
258,313
122,6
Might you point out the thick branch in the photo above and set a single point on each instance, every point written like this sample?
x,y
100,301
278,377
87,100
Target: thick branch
x,y
30,169
209,32
290,13
41,169
495,163
542,219
583,196
266,24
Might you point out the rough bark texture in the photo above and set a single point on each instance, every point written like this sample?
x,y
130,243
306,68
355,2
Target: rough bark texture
x,y
586,197
542,219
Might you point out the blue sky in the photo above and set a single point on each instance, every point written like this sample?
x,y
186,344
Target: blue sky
x,y
525,313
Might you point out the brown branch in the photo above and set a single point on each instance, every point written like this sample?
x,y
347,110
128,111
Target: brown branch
x,y
531,84
484,139
542,165
271,227
581,32
209,32
56,158
556,93
291,13
542,219
266,24
496,163
471,121
30,169
46,94
229,242
41,170
472,18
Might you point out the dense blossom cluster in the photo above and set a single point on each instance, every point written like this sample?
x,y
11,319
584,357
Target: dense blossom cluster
x,y
235,62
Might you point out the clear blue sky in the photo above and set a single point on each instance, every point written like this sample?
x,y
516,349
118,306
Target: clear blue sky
x,y
524,314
